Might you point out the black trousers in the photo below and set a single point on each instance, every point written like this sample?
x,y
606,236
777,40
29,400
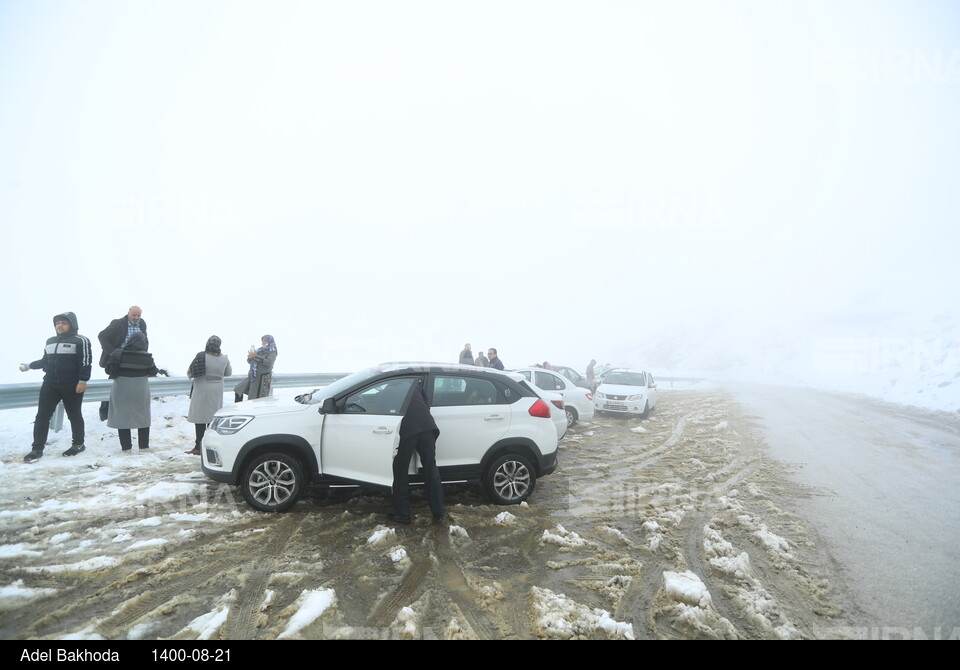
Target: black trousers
x,y
126,438
50,396
424,444
200,429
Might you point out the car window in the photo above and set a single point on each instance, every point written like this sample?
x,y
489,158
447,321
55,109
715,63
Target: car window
x,y
454,390
548,382
386,397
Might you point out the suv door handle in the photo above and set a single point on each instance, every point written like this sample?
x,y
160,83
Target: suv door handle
x,y
383,430
493,417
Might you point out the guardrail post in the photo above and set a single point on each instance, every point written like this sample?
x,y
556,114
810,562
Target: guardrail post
x,y
56,421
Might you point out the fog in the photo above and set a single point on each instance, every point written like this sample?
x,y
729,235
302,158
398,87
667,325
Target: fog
x,y
692,187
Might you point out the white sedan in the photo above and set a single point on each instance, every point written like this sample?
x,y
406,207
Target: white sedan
x,y
578,402
626,392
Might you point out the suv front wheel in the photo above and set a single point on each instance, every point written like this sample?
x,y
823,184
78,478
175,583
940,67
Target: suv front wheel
x,y
272,482
510,480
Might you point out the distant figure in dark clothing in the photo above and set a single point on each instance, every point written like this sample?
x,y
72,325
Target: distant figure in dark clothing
x,y
418,434
466,356
495,361
592,374
130,395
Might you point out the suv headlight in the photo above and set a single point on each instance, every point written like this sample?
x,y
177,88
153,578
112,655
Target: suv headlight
x,y
639,396
600,395
228,425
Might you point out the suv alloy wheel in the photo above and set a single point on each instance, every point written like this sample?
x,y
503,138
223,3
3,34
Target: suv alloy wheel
x,y
272,482
510,480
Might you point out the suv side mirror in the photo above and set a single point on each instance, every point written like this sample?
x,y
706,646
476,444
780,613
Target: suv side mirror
x,y
329,406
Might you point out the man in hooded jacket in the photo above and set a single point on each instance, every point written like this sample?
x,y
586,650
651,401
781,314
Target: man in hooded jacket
x,y
66,362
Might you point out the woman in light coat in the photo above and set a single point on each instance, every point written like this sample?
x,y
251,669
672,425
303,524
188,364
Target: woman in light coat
x,y
129,408
207,371
257,383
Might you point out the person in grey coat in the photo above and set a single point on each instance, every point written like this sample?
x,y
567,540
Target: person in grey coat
x,y
257,383
129,408
207,371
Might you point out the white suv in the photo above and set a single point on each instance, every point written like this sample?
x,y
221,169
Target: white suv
x,y
494,429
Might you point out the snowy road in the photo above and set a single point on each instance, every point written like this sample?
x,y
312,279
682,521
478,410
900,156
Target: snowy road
x,y
885,498
754,513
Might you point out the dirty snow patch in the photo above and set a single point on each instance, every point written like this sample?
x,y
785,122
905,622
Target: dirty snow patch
x,y
309,607
559,617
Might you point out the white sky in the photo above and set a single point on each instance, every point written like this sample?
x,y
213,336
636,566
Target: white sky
x,y
373,181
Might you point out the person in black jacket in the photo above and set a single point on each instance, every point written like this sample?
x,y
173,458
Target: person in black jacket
x,y
67,359
494,359
114,337
418,433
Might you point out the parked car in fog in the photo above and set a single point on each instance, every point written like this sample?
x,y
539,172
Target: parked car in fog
x,y
495,429
624,391
574,376
578,401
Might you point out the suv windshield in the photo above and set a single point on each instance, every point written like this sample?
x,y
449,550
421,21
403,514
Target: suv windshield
x,y
317,396
625,378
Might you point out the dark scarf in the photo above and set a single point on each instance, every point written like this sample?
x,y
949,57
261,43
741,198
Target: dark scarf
x,y
198,368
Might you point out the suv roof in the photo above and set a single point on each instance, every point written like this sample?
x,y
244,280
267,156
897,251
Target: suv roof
x,y
428,367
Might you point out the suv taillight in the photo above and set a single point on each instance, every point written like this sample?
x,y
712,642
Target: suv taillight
x,y
558,403
540,409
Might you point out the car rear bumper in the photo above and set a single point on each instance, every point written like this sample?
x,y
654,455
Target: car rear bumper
x,y
548,463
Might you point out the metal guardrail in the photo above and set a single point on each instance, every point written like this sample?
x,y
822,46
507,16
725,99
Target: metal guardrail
x,y
14,396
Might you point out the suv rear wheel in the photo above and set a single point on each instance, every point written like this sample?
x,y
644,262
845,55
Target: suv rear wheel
x,y
272,482
509,480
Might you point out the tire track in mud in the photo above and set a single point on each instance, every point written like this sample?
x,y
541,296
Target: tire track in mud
x,y
455,585
106,586
411,586
120,622
241,619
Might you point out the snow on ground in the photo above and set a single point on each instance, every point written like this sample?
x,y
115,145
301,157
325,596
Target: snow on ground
x,y
153,496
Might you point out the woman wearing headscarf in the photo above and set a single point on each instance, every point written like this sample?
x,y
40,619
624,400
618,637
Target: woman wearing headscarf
x,y
257,383
207,371
129,368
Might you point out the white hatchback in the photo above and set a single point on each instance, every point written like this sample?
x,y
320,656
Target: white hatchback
x,y
578,401
626,392
495,429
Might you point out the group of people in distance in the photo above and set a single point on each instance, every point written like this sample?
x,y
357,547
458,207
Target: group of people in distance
x,y
491,360
67,364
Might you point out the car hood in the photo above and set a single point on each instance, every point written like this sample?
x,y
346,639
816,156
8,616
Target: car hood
x,y
264,407
621,389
